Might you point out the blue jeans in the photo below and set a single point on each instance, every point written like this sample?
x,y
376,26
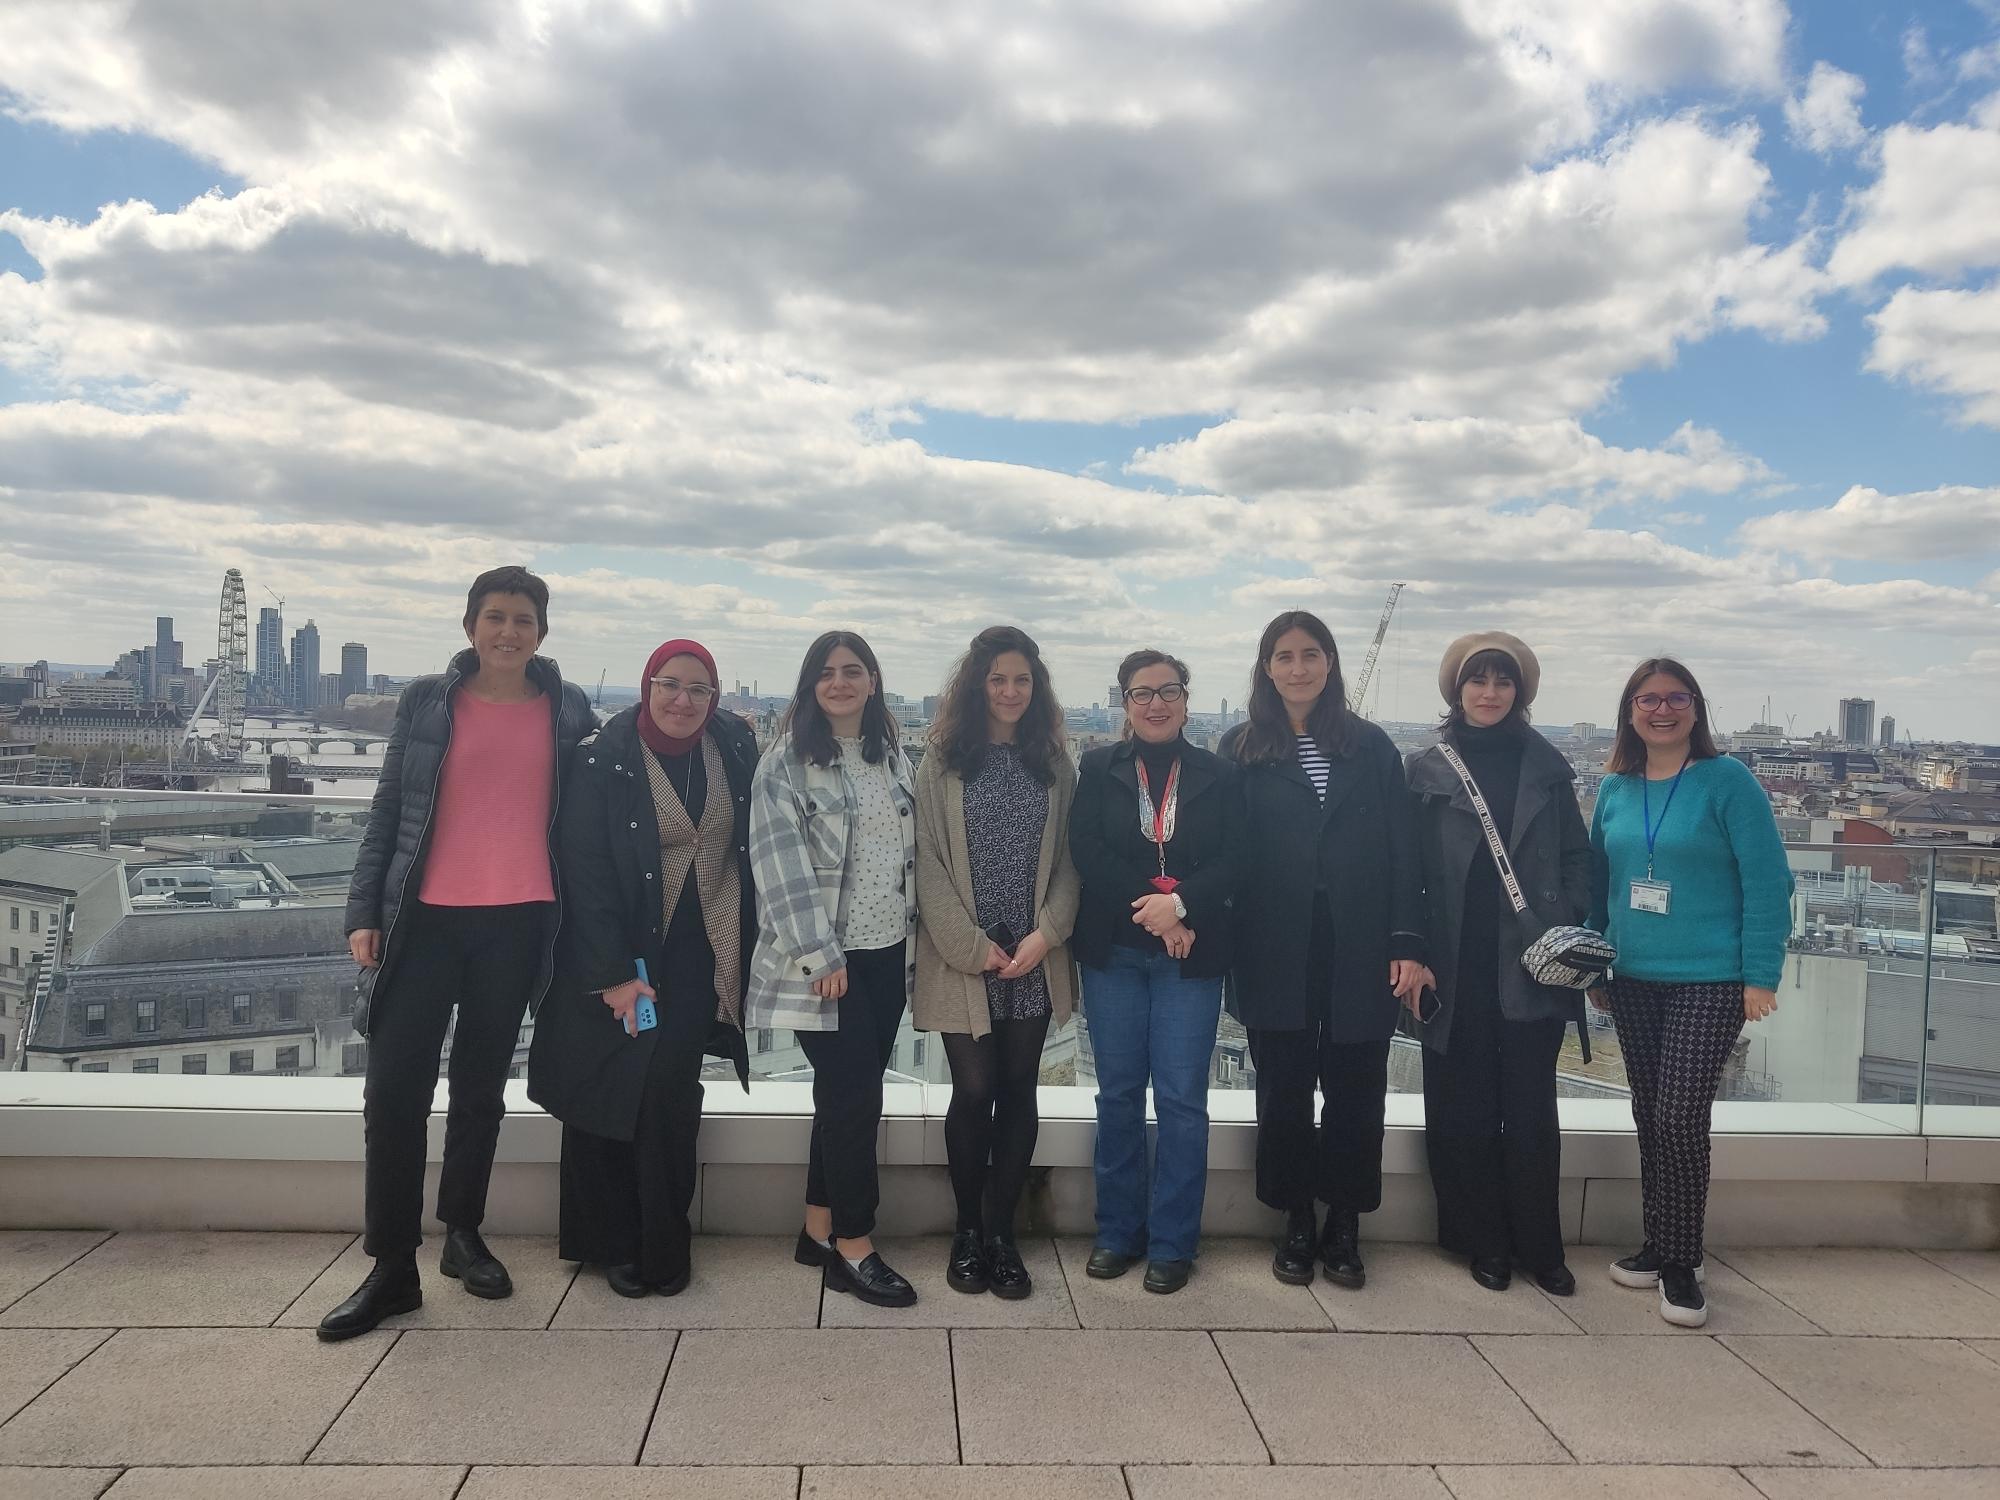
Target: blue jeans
x,y
1147,1022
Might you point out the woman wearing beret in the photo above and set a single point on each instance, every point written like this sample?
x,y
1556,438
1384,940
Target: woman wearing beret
x,y
653,853
1329,940
1490,1047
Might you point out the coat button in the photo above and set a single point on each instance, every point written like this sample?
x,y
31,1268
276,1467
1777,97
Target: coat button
x,y
590,760
649,874
635,825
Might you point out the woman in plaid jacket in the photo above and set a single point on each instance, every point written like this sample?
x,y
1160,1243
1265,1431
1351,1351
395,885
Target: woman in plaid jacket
x,y
833,849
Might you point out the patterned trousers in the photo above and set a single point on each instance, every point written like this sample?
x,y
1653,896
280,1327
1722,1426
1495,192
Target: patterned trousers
x,y
1675,1037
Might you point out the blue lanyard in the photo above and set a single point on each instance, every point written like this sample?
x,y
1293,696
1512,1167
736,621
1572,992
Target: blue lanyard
x,y
1652,828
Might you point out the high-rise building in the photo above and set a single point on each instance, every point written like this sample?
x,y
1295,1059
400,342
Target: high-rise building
x,y
329,690
1114,698
1857,721
1888,729
305,666
166,657
353,668
272,682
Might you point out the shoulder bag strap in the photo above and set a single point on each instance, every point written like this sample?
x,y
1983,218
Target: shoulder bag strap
x,y
1493,843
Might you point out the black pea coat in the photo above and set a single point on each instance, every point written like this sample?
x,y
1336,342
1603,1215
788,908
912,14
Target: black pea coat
x,y
1549,848
393,848
1358,847
584,1068
1116,861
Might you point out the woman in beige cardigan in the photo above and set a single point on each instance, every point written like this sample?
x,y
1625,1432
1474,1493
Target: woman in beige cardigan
x,y
996,898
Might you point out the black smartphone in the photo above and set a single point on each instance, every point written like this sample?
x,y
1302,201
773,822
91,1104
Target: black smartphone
x,y
1003,938
1428,1005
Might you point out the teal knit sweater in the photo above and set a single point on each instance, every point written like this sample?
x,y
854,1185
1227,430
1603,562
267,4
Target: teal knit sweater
x,y
1731,909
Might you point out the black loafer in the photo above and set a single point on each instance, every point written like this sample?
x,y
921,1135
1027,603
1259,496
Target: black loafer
x,y
1340,1251
1168,1276
673,1286
392,1287
1556,1281
1494,1274
1293,1264
1009,1273
467,1260
966,1269
1109,1265
809,1251
872,1281
625,1281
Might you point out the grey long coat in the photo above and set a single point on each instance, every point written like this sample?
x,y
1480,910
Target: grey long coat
x,y
1550,851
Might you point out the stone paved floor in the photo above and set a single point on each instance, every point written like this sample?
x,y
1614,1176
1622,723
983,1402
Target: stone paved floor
x,y
173,1366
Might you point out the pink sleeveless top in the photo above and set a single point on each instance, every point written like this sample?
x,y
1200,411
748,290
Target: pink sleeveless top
x,y
490,827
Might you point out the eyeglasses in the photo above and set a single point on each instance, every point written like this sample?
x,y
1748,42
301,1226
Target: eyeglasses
x,y
1173,692
1654,702
697,693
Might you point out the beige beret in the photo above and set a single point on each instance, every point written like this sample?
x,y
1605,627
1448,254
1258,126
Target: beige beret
x,y
1467,646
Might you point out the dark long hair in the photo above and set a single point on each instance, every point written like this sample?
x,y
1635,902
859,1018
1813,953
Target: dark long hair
x,y
959,733
806,721
1268,736
1629,753
1479,664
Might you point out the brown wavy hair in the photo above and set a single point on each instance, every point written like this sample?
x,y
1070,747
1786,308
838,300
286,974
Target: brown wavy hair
x,y
960,735
1629,753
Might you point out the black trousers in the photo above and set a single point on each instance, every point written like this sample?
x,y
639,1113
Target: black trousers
x,y
994,1120
480,961
625,1203
847,1090
1340,1162
1492,1137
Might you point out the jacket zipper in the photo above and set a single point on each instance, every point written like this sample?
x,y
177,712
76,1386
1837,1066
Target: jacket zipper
x,y
423,836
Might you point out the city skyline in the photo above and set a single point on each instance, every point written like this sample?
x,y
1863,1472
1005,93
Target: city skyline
x,y
1125,325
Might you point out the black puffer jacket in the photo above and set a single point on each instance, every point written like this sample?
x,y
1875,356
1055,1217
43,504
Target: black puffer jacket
x,y
399,821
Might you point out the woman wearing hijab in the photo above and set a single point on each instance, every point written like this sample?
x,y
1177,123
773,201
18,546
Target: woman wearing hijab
x,y
652,849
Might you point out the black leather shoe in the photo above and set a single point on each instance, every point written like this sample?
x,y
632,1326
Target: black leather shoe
x,y
625,1281
1009,1273
1340,1250
966,1270
1293,1264
673,1286
392,1287
467,1259
872,1281
809,1251
1167,1276
1109,1265
1494,1274
1556,1281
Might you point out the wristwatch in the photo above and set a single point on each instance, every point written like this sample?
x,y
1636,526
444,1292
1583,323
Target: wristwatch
x,y
1180,906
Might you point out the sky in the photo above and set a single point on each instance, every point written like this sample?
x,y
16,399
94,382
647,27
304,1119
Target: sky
x,y
1656,326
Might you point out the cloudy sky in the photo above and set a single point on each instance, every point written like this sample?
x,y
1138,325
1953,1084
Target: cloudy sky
x,y
1625,325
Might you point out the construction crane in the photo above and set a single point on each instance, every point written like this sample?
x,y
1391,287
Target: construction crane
x,y
598,699
1375,647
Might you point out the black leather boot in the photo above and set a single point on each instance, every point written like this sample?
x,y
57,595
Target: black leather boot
x,y
1340,1250
1495,1273
626,1281
391,1287
966,1270
1009,1272
1293,1264
467,1259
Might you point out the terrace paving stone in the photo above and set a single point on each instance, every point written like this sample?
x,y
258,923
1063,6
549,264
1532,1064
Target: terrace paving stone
x,y
1601,1306
55,1484
571,1482
33,1359
540,1280
1980,1267
746,1282
1893,1293
1294,1482
29,1257
168,1280
1597,1482
1635,1401
938,1306
1232,1287
1876,1484
1420,1289
964,1482
1358,1398
266,1483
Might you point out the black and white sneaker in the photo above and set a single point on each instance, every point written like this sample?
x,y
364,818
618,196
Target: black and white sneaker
x,y
1681,1301
1642,1268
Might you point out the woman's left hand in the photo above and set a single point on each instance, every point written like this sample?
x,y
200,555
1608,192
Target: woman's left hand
x,y
1157,914
1028,955
1757,1003
1407,978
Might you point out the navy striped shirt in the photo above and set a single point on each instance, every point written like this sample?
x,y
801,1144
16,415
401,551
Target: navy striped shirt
x,y
1315,765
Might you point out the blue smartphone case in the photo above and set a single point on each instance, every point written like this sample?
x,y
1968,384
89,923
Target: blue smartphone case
x,y
644,1016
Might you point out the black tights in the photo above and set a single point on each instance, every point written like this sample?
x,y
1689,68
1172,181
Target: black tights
x,y
990,1128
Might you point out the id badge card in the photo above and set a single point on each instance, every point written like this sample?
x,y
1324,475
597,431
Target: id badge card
x,y
1654,896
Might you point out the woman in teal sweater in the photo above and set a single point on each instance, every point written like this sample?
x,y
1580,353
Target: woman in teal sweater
x,y
1693,888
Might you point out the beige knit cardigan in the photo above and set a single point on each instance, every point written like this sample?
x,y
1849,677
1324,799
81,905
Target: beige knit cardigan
x,y
951,948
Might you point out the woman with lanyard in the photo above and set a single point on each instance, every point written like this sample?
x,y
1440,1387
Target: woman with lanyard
x,y
1153,833
833,843
996,898
1329,941
653,854
1694,891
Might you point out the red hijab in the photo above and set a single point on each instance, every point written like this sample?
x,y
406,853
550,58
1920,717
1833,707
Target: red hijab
x,y
655,737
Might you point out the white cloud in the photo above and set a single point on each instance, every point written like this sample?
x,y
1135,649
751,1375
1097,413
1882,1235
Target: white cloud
x,y
1934,208
1826,117
1948,341
1953,522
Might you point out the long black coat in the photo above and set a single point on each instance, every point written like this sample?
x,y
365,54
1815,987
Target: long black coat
x,y
1358,846
584,1068
390,860
1116,862
1549,848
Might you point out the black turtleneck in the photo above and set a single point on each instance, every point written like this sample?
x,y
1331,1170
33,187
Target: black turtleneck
x,y
1493,756
1159,760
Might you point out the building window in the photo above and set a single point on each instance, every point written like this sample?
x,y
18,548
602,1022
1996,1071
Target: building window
x,y
145,1015
34,920
145,1065
13,919
347,1001
239,1010
288,1057
194,1062
194,1013
766,1037
3,1046
93,1019
103,1067
353,1058
288,1005
244,1061
14,957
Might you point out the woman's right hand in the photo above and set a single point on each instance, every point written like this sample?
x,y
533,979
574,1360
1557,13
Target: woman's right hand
x,y
365,943
624,1002
1600,999
1179,939
831,986
996,959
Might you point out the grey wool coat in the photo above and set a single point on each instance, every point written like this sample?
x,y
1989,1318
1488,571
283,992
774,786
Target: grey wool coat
x,y
951,948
